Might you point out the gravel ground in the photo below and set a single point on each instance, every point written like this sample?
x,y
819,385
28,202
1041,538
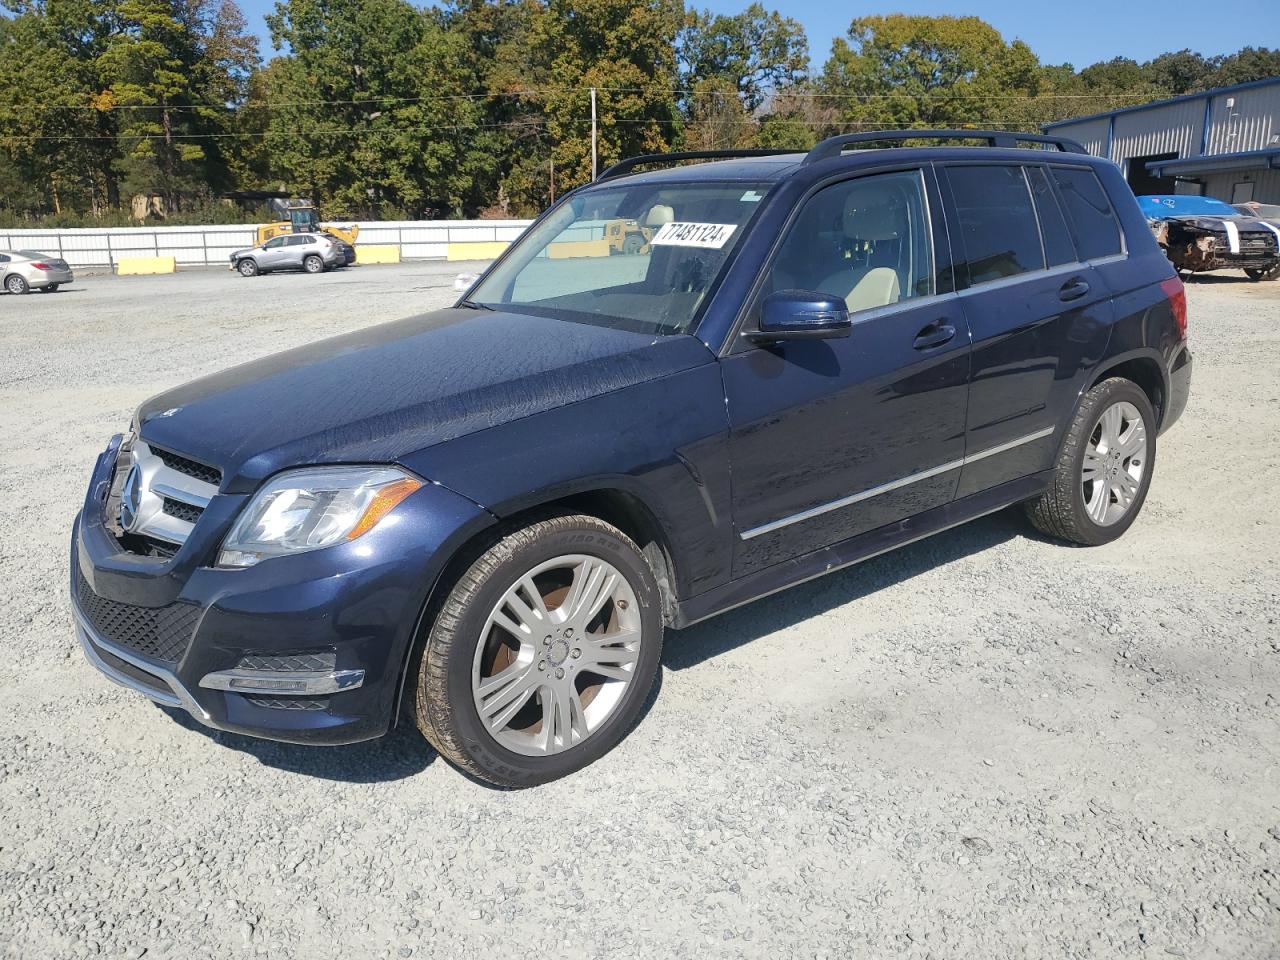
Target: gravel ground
x,y
984,745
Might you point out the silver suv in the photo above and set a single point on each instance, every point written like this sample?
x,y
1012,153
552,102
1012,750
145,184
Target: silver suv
x,y
312,252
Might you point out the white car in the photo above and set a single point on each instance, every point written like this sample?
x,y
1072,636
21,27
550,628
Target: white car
x,y
22,271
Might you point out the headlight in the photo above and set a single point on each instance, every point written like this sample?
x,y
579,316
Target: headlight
x,y
316,507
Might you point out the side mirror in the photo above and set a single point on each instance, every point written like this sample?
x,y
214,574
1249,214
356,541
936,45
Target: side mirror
x,y
801,315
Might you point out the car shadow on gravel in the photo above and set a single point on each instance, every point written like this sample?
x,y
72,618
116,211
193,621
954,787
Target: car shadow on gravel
x,y
690,647
400,754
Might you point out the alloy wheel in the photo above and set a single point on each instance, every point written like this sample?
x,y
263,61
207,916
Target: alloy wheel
x,y
1115,459
556,655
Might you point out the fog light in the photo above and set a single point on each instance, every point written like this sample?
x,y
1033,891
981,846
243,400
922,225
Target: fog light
x,y
299,681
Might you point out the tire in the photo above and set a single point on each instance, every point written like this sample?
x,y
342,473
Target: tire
x,y
1268,273
1064,509
1255,275
16,284
632,244
51,288
247,267
466,646
313,264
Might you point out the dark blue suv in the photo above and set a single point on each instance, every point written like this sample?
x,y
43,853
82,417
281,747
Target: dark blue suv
x,y
488,515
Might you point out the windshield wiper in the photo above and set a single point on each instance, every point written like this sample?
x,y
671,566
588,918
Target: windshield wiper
x,y
475,305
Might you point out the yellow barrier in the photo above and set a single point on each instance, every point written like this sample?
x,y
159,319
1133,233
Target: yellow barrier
x,y
567,249
138,266
378,253
476,250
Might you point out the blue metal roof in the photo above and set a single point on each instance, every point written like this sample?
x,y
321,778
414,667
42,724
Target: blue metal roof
x,y
1244,160
1266,81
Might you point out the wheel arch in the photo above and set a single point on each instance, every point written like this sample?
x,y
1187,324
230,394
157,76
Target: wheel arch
x,y
610,502
1144,370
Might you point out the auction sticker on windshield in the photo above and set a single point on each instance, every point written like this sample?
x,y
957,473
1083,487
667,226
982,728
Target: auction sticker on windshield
x,y
677,234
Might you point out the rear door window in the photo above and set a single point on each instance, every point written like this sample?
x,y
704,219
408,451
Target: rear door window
x,y
997,222
1058,248
1093,223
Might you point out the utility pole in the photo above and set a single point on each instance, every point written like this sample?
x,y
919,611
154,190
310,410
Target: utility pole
x,y
593,133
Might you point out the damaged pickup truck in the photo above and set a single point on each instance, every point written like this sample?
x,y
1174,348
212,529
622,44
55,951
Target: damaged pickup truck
x,y
1201,233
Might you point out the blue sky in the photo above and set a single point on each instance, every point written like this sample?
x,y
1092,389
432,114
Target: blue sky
x,y
1079,32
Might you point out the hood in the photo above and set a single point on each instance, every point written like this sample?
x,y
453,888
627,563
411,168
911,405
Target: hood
x,y
384,392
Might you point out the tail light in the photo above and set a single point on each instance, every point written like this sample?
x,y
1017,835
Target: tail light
x,y
1177,294
41,266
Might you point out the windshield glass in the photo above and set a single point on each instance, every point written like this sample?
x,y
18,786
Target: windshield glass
x,y
640,257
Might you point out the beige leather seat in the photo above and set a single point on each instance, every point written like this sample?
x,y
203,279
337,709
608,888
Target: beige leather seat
x,y
870,216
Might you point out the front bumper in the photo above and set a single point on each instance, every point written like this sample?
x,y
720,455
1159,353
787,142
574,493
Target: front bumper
x,y
193,636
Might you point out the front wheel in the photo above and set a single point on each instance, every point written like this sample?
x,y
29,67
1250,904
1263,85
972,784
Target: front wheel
x,y
313,264
542,655
1104,467
247,268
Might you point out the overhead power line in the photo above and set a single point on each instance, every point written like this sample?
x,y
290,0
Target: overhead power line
x,y
461,128
540,91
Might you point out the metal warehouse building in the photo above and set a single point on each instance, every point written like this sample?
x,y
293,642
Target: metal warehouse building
x,y
1222,143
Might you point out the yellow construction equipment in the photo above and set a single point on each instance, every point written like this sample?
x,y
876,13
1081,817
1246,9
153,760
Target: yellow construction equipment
x,y
303,218
628,236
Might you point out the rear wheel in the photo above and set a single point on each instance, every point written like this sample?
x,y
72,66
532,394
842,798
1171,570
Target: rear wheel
x,y
632,244
313,264
1269,273
247,267
541,657
51,288
1104,468
16,284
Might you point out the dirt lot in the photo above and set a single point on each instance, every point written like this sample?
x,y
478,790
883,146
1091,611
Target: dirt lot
x,y
985,745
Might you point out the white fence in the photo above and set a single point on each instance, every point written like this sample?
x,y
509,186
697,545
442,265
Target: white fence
x,y
213,245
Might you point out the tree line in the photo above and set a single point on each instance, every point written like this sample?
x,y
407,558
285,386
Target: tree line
x,y
382,109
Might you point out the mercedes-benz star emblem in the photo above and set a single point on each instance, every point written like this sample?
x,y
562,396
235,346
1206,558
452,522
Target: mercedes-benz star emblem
x,y
130,498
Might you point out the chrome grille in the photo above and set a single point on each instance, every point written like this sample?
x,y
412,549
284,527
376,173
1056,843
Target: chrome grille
x,y
163,494
190,467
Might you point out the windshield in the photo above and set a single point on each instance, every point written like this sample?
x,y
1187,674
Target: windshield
x,y
1267,211
640,257
1184,206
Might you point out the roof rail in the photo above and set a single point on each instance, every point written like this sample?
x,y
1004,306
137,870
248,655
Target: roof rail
x,y
834,146
626,166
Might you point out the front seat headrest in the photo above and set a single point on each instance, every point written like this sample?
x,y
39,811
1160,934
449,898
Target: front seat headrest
x,y
872,216
659,214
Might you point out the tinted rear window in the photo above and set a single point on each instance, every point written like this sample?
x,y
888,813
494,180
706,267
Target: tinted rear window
x,y
1058,248
1093,223
997,222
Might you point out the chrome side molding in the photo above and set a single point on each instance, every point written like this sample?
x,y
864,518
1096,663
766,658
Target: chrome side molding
x,y
892,485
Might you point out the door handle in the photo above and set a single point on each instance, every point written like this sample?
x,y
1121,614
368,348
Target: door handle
x,y
934,335
1073,289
